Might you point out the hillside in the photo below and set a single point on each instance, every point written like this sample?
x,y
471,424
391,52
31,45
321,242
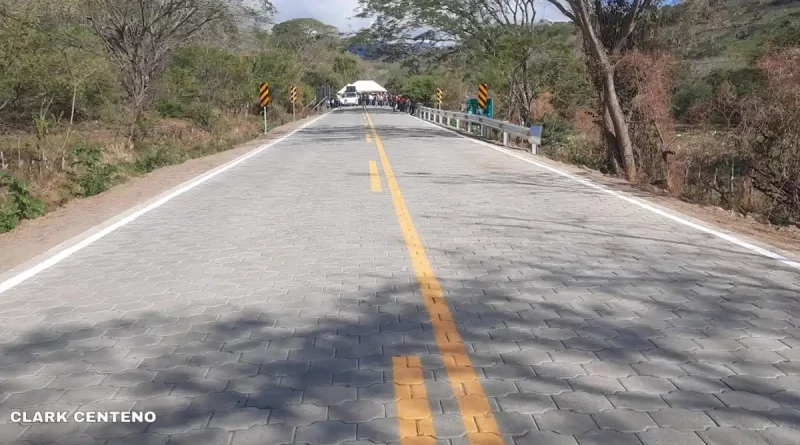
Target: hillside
x,y
735,31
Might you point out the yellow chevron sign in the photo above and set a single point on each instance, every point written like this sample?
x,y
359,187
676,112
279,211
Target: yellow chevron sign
x,y
293,94
483,95
264,95
439,95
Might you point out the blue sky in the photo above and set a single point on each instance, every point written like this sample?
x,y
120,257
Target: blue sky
x,y
339,13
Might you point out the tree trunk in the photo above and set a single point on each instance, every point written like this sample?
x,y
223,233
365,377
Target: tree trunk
x,y
621,131
612,148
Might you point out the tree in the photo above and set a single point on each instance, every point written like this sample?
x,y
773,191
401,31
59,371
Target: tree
x,y
498,35
139,35
304,37
607,27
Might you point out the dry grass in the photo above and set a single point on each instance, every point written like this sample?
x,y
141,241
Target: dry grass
x,y
44,163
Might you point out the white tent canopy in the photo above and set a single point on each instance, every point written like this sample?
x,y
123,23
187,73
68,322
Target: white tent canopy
x,y
364,86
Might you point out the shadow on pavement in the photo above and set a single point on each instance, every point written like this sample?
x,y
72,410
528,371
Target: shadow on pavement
x,y
581,337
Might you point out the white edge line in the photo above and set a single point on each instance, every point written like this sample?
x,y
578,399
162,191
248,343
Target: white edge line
x,y
51,260
637,202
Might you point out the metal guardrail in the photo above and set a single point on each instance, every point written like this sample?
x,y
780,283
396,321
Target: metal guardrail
x,y
532,135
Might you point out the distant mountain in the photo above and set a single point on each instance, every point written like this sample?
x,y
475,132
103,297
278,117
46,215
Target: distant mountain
x,y
381,51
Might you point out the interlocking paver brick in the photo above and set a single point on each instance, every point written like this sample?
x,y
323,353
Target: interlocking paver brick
x,y
298,415
729,436
239,419
609,370
378,431
218,402
272,434
140,439
692,400
565,422
747,400
637,401
526,403
779,436
741,418
360,411
545,438
669,436
608,436
583,402
559,370
326,433
624,420
682,419
515,424
206,436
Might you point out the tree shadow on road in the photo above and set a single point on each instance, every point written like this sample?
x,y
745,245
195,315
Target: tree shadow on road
x,y
558,314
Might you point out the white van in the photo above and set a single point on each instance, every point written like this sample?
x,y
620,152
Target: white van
x,y
349,99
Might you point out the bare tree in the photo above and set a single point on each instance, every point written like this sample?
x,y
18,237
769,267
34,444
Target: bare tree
x,y
139,35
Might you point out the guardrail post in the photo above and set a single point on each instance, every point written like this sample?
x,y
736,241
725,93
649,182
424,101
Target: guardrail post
x,y
505,139
458,124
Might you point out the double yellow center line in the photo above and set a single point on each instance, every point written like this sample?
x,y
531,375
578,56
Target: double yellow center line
x,y
476,413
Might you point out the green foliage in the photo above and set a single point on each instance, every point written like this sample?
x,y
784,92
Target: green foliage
x,y
786,34
690,94
555,130
203,115
157,156
167,107
8,216
18,203
744,80
420,88
90,175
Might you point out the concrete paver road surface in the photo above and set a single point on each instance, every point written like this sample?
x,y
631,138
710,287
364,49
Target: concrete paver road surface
x,y
375,280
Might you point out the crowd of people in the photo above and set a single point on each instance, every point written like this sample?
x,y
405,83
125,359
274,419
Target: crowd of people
x,y
397,102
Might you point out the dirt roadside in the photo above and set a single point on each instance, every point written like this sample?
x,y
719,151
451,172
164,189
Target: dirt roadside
x,y
35,237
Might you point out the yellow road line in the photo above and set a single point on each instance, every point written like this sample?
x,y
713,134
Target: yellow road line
x,y
476,412
414,419
374,178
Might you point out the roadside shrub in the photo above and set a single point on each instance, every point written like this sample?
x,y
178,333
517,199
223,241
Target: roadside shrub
x,y
689,96
146,124
169,108
8,216
555,130
769,134
204,116
90,175
157,156
18,203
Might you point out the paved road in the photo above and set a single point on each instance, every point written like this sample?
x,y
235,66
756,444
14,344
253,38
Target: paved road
x,y
475,297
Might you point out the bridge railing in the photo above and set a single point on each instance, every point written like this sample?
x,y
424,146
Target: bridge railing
x,y
486,126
